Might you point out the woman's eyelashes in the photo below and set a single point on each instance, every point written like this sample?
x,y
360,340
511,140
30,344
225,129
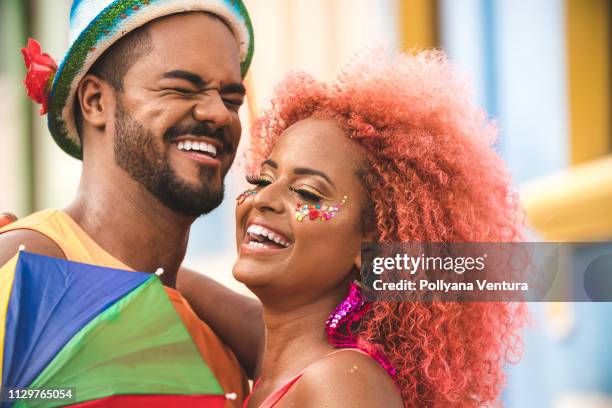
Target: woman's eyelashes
x,y
304,192
259,181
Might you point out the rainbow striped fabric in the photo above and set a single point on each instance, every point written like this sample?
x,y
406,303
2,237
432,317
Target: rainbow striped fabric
x,y
111,335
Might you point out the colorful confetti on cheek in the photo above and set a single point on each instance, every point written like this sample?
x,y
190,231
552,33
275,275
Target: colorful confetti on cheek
x,y
318,211
244,195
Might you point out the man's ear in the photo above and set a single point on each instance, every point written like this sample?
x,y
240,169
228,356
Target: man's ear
x,y
95,98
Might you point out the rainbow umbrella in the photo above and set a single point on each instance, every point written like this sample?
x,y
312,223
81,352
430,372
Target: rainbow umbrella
x,y
111,336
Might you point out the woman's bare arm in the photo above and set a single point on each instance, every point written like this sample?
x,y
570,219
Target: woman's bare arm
x,y
235,318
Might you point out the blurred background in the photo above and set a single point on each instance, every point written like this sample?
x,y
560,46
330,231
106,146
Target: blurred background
x,y
540,68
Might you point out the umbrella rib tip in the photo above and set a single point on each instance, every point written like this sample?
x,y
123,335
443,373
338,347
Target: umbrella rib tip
x,y
159,271
21,247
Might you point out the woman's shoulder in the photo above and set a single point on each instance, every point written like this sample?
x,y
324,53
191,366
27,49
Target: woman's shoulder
x,y
346,378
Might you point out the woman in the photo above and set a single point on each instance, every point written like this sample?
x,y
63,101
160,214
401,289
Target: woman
x,y
392,151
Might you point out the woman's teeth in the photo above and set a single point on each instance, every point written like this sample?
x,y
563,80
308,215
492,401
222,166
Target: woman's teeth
x,y
254,244
257,231
198,147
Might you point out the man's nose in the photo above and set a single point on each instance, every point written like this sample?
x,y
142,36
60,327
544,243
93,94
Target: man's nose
x,y
210,108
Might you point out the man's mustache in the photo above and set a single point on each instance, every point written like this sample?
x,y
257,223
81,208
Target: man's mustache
x,y
204,130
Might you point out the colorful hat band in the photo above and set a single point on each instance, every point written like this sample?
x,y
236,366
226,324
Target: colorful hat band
x,y
95,35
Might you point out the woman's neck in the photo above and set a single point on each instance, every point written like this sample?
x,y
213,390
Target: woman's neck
x,y
295,339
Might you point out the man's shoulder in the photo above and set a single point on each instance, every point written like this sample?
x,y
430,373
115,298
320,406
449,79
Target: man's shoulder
x,y
33,241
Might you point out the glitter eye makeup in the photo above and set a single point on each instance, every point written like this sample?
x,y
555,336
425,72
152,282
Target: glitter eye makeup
x,y
244,195
259,181
321,211
307,194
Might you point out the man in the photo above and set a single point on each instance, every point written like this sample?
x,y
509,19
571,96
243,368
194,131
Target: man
x,y
148,97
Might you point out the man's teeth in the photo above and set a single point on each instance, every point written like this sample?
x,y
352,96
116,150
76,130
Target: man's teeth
x,y
266,233
198,147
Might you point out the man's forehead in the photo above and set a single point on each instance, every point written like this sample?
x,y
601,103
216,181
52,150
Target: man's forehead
x,y
197,43
181,21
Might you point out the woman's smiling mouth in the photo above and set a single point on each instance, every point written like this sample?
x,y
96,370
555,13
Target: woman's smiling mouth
x,y
259,237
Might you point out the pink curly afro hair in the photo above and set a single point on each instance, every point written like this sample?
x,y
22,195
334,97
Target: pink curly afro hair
x,y
432,176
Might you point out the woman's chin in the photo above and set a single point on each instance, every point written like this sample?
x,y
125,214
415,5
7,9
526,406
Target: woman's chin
x,y
250,273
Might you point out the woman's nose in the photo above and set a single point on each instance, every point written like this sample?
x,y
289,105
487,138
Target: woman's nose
x,y
269,198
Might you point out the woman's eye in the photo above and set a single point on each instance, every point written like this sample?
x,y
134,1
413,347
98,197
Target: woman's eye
x,y
258,181
307,195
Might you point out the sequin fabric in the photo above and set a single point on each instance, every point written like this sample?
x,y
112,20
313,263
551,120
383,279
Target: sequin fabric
x,y
338,327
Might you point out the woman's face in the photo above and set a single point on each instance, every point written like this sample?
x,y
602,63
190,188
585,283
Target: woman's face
x,y
285,253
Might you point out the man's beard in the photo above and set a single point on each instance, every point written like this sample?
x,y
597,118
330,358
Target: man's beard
x,y
135,152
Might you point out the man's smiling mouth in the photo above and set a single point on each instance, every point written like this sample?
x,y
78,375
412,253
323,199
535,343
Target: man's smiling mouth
x,y
204,151
198,146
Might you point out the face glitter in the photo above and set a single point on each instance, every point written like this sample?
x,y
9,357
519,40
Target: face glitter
x,y
322,212
244,195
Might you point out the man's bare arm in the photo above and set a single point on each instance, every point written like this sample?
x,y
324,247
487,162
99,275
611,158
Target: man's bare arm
x,y
33,241
236,319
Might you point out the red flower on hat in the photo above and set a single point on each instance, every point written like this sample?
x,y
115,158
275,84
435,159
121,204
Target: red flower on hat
x,y
41,70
